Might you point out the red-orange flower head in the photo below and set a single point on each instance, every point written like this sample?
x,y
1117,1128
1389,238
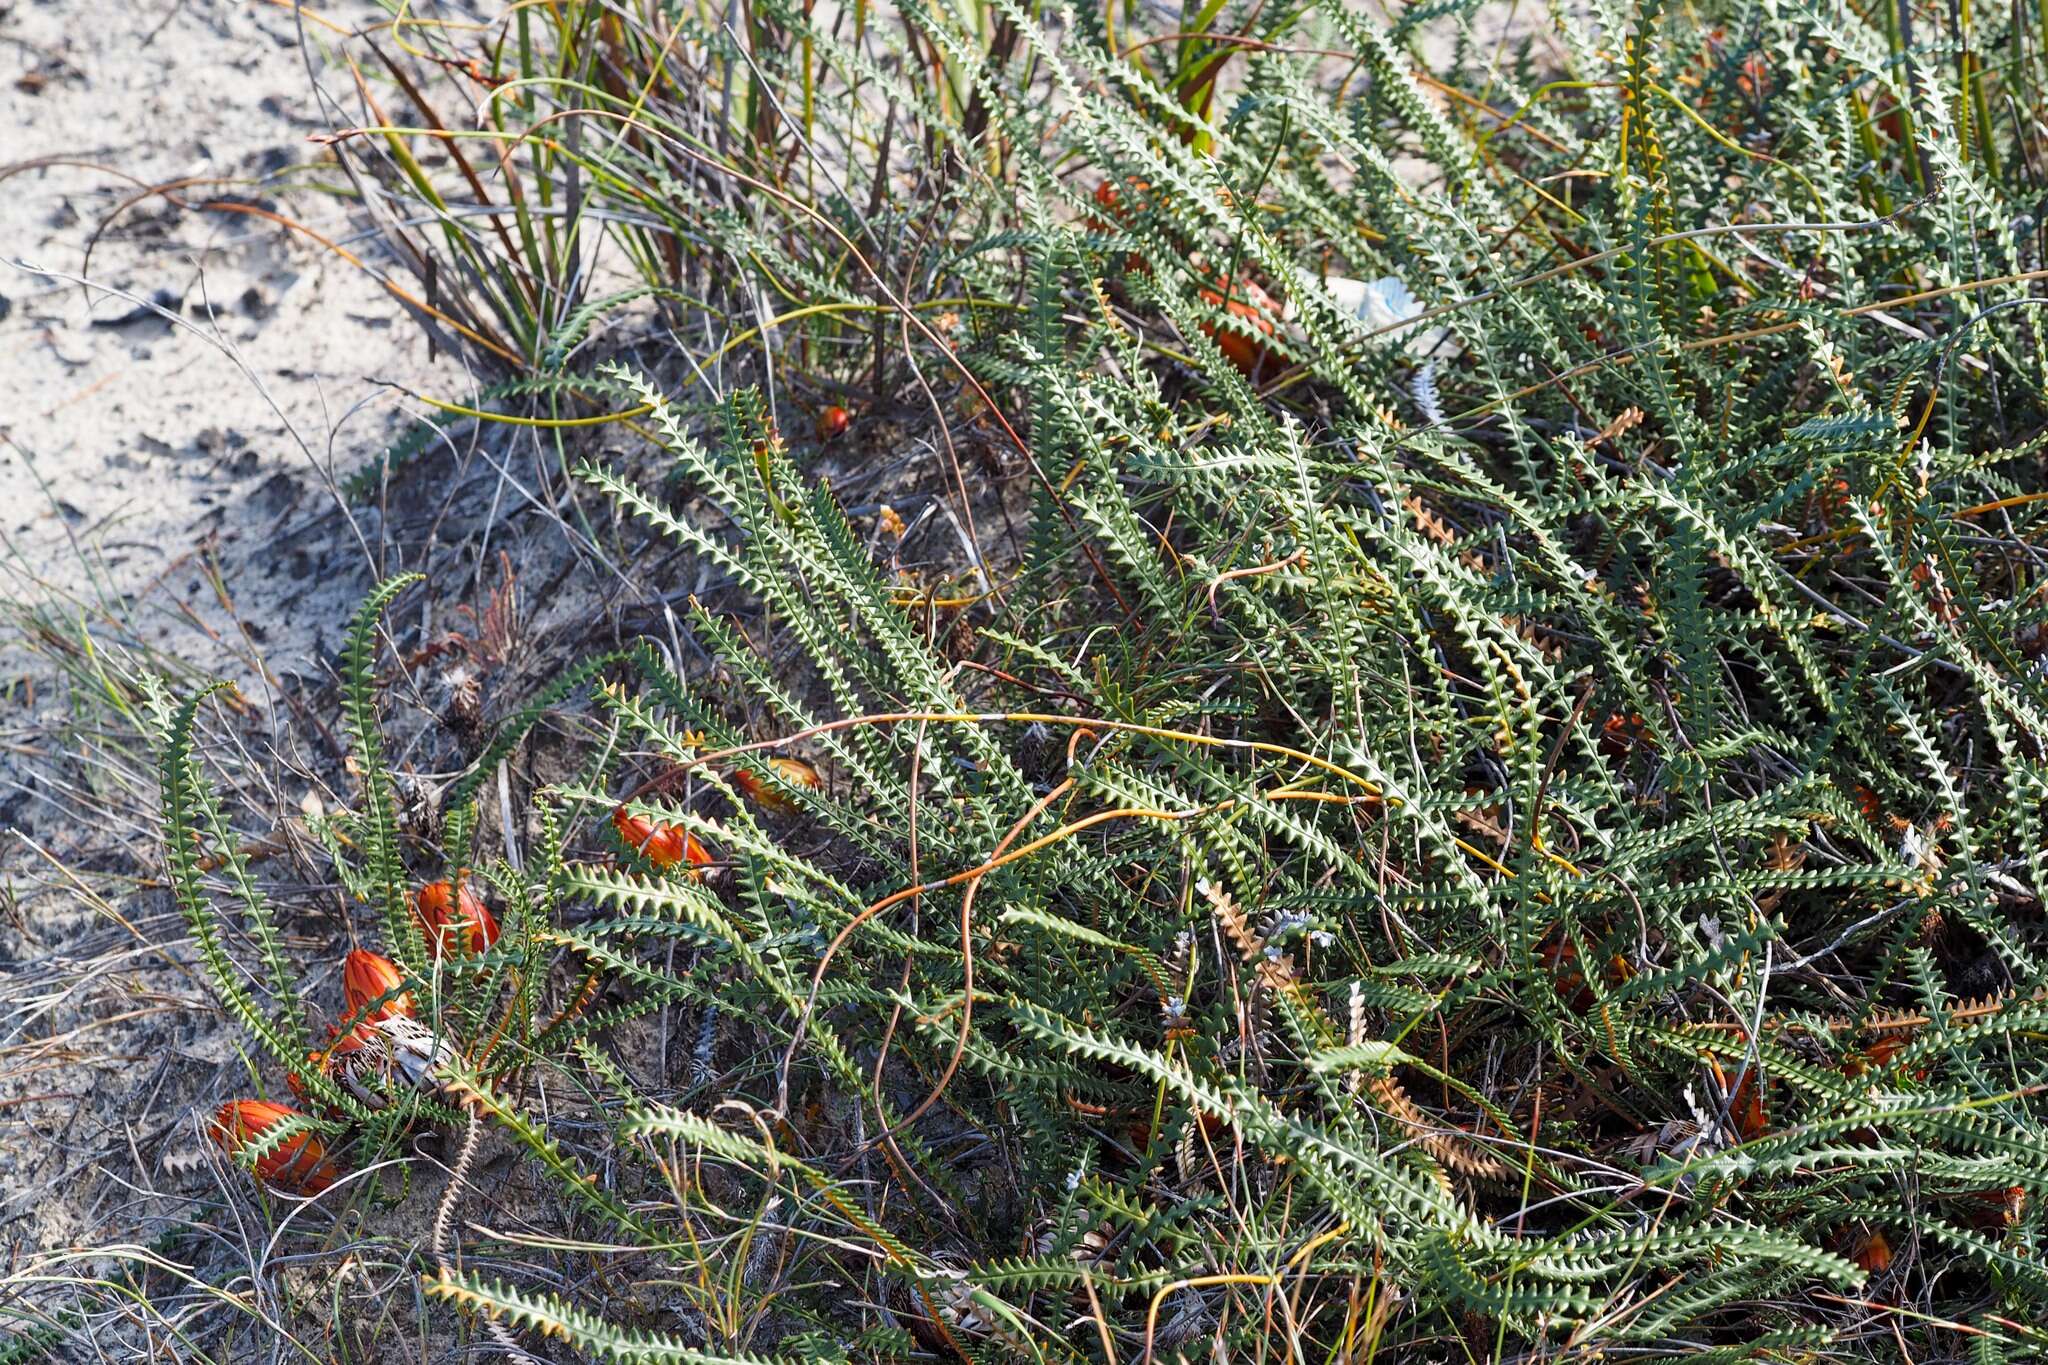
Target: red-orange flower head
x,y
298,1165
1110,198
365,976
757,788
451,915
1872,1253
661,844
1244,300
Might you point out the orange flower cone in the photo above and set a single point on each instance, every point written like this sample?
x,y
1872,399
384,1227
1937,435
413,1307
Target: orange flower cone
x,y
299,1165
366,976
661,844
452,916
759,790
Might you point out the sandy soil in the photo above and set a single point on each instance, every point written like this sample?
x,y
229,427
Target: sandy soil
x,y
182,390
170,435
134,446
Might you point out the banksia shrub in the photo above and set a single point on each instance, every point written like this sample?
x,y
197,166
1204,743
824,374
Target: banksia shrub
x,y
1493,806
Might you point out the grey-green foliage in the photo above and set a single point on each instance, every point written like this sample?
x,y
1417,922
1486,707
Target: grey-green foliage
x,y
1685,694
1471,809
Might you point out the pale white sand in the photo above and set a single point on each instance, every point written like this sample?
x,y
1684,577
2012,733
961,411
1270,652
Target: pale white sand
x,y
166,478
127,449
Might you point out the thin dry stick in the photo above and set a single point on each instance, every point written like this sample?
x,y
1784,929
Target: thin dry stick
x,y
1630,355
917,891
988,586
967,959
